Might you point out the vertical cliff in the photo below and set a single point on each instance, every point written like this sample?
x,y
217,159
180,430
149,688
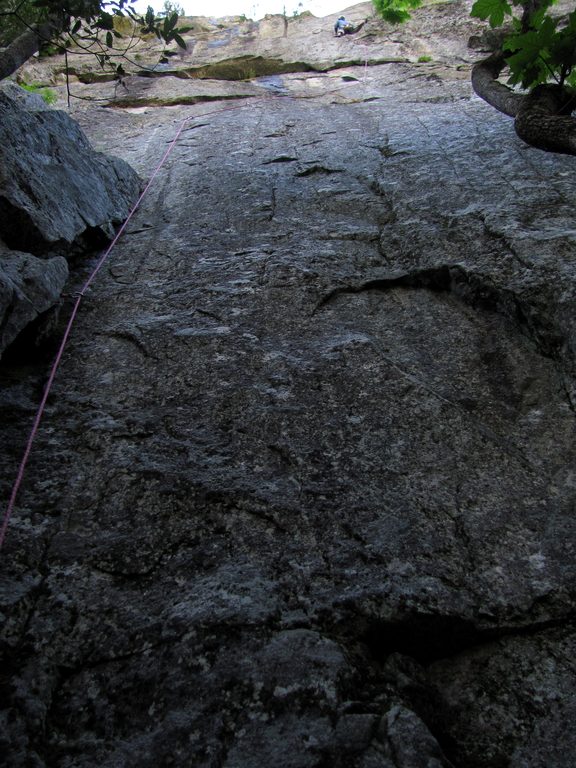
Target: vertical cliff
x,y
304,495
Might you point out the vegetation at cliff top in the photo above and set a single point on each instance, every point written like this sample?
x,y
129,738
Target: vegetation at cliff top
x,y
89,26
539,47
538,52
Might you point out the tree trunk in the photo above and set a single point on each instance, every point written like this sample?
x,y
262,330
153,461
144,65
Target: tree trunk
x,y
25,46
540,117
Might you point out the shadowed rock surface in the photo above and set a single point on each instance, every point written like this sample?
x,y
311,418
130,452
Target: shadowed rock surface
x,y
57,197
54,188
29,287
305,492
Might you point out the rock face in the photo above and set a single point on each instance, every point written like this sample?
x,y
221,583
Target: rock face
x,y
222,51
29,287
56,195
305,493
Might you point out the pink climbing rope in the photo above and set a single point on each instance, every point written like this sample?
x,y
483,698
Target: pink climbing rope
x,y
81,293
58,358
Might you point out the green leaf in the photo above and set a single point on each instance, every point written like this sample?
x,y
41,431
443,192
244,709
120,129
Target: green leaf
x,y
396,11
106,21
150,17
529,46
170,22
176,37
491,10
563,51
531,62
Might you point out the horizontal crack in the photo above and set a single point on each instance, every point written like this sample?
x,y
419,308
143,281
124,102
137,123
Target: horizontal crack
x,y
174,101
475,290
430,637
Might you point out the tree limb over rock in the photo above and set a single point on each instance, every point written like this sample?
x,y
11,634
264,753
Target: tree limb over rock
x,y
25,46
485,84
541,118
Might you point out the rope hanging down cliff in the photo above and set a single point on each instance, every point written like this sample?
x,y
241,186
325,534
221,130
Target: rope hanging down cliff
x,y
79,296
75,308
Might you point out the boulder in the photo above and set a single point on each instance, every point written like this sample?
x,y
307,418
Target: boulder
x,y
57,197
54,189
29,286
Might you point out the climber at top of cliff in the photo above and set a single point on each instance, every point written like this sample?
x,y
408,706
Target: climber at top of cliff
x,y
342,27
345,27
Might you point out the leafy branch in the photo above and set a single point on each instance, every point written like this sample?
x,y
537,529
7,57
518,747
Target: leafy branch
x,y
396,11
92,27
99,34
541,48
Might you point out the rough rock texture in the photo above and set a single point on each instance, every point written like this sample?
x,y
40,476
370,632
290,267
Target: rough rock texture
x,y
232,49
305,492
57,196
53,187
28,287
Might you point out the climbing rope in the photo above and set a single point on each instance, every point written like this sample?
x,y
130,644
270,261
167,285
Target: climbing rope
x,y
80,295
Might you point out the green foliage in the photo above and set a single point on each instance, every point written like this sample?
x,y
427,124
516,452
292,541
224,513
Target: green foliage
x,y
543,53
98,29
169,30
396,11
530,57
48,95
92,26
424,59
540,49
497,11
493,11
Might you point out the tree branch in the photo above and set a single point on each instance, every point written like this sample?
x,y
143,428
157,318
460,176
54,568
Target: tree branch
x,y
25,46
541,118
485,84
